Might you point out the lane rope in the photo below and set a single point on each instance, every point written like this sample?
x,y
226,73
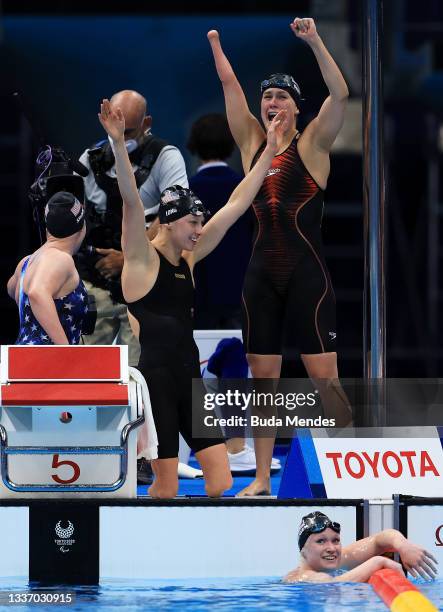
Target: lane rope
x,y
398,593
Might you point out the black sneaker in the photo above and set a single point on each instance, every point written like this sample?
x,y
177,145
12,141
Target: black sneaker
x,y
144,472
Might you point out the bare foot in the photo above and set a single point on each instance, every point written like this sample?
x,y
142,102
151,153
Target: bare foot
x,y
152,491
257,487
157,493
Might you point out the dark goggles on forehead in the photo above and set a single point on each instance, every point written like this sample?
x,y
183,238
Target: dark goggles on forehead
x,y
284,81
198,209
182,206
320,523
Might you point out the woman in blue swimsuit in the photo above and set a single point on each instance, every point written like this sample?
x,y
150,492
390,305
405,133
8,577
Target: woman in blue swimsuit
x,y
52,299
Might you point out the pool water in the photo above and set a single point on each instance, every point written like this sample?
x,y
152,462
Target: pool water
x,y
221,594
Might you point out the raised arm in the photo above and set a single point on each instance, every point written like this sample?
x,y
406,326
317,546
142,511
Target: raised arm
x,y
324,128
136,248
417,560
245,128
242,195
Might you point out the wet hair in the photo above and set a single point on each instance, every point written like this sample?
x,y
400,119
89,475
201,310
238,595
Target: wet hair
x,y
211,138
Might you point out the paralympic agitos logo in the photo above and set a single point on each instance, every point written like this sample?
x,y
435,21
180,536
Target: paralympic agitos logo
x,y
65,535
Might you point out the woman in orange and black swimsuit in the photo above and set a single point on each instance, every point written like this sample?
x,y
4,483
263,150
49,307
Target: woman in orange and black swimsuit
x,y
288,298
288,293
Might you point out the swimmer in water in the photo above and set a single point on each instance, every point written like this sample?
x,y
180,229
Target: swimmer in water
x,y
322,554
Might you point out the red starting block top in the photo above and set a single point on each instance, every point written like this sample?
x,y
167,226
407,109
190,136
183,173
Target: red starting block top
x,y
64,394
57,363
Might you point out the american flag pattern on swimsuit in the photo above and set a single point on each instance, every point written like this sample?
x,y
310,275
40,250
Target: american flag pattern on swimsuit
x,y
71,310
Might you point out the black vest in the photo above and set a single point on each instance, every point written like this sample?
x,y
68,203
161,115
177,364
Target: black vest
x,y
101,160
103,230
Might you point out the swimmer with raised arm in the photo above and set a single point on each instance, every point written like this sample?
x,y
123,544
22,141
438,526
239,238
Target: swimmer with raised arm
x,y
288,299
158,287
322,554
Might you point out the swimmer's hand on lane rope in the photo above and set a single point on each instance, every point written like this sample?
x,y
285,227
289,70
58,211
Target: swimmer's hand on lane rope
x,y
304,28
418,561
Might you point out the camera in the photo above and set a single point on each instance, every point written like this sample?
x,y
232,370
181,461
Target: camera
x,y
55,172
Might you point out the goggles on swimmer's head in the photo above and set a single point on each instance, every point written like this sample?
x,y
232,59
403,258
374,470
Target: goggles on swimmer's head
x,y
283,81
315,522
177,202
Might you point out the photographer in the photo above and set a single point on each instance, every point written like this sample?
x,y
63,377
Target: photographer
x,y
52,300
156,165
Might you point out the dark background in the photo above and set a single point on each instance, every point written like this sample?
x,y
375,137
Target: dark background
x,y
70,55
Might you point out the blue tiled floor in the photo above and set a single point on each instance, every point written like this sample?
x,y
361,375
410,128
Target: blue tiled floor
x,y
196,487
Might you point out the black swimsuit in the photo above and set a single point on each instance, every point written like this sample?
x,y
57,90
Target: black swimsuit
x,y
288,300
169,357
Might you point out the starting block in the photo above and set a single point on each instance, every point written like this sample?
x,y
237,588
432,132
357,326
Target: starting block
x,y
66,417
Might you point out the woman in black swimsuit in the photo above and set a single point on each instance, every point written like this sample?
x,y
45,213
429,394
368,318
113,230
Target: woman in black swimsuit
x,y
158,287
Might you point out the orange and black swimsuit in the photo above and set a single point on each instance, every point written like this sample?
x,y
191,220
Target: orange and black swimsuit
x,y
288,300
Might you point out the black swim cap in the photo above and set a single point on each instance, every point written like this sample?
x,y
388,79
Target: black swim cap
x,y
283,81
64,215
314,522
177,202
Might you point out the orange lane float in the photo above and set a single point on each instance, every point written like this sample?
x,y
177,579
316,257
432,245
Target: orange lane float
x,y
398,593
